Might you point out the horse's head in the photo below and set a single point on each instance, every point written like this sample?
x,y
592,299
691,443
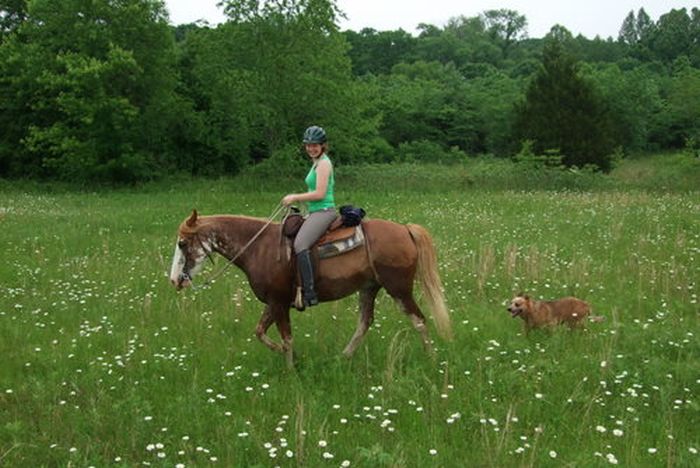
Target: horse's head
x,y
192,248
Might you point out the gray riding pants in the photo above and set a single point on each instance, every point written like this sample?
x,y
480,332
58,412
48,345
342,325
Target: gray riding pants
x,y
313,228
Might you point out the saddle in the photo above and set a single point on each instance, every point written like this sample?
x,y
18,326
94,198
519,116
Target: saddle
x,y
344,234
337,240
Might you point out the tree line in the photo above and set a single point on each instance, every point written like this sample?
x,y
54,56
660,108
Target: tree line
x,y
109,91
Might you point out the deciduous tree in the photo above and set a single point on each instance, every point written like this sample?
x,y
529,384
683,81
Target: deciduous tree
x,y
90,86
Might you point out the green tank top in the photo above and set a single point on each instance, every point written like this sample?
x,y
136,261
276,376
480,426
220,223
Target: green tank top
x,y
328,201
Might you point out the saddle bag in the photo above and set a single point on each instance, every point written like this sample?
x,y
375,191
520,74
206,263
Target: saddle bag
x,y
351,215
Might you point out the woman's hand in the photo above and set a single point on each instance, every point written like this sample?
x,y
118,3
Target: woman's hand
x,y
289,199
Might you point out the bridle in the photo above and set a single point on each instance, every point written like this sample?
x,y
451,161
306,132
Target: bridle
x,y
185,274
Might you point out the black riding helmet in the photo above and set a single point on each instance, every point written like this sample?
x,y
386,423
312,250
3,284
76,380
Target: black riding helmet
x,y
314,134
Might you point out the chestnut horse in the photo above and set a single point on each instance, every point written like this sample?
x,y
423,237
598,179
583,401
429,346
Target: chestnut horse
x,y
393,255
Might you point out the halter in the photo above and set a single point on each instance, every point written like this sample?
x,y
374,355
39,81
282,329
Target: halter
x,y
228,264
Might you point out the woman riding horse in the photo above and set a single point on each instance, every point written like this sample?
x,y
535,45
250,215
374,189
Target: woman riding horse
x,y
321,204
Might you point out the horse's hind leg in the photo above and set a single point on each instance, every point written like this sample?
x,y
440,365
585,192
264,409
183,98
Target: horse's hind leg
x,y
264,323
367,296
410,308
284,326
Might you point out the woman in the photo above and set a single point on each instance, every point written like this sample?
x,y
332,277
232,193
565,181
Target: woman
x,y
321,204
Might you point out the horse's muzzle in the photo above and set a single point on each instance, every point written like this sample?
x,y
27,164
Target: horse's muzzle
x,y
183,281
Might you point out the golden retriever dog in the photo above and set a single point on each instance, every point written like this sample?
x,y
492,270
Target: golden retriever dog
x,y
536,314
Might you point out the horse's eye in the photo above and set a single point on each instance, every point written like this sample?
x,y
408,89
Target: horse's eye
x,y
182,244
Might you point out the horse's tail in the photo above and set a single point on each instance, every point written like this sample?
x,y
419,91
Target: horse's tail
x,y
429,278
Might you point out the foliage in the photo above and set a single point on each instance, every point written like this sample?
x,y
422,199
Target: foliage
x,y
673,36
427,151
633,100
683,108
505,27
12,14
463,41
106,92
288,164
429,101
373,51
92,91
274,69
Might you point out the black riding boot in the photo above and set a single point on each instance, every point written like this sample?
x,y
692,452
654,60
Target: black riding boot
x,y
306,270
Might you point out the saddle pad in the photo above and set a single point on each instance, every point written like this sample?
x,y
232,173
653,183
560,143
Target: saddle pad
x,y
340,241
335,232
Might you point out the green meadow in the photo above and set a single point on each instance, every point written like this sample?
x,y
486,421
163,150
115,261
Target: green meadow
x,y
105,364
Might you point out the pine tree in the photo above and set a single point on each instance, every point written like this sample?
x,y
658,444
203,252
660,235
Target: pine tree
x,y
563,112
644,26
628,31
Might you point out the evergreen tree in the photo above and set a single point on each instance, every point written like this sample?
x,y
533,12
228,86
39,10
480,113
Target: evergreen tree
x,y
628,32
644,25
563,112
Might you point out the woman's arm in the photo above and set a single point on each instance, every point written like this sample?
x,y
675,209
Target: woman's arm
x,y
323,174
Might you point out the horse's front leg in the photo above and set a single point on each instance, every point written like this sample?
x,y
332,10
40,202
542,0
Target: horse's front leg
x,y
263,325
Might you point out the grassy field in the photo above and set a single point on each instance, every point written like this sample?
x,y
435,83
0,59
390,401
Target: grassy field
x,y
103,363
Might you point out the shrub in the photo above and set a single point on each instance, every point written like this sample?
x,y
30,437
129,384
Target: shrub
x,y
428,151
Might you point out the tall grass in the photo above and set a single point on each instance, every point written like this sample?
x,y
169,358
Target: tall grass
x,y
104,364
664,173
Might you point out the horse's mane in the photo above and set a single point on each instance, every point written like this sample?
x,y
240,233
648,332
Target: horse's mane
x,y
206,221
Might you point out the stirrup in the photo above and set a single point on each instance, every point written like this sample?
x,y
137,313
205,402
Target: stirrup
x,y
299,301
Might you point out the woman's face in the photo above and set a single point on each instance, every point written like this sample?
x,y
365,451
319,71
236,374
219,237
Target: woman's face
x,y
313,149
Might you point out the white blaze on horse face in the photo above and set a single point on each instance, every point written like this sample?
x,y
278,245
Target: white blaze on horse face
x,y
178,265
197,255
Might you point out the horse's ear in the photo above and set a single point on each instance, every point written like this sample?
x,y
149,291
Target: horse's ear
x,y
192,220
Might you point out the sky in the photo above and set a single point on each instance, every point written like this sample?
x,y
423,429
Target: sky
x,y
590,18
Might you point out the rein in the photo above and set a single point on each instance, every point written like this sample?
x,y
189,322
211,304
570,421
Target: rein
x,y
228,264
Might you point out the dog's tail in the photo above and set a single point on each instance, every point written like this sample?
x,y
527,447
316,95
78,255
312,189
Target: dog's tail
x,y
596,318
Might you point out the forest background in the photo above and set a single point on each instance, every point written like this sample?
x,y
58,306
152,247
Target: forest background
x,y
109,92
